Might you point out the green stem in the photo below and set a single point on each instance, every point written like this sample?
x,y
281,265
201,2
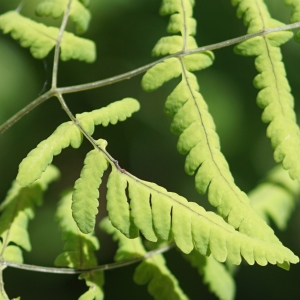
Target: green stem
x,y
94,269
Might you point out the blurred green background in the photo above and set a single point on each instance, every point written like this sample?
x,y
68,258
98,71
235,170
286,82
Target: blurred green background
x,y
125,32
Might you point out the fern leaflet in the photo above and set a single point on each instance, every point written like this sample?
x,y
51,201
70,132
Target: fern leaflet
x,y
275,97
194,124
79,250
17,209
135,205
86,193
275,198
215,275
162,284
36,162
78,13
42,39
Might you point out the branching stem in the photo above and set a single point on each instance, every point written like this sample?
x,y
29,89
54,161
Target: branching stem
x,y
57,46
130,74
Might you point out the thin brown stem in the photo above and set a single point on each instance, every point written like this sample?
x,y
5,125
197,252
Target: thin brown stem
x,y
79,271
57,46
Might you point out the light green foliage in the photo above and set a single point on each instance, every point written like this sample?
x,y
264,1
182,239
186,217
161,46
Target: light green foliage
x,y
296,9
86,189
276,197
215,275
161,214
275,97
79,250
36,162
198,138
162,284
55,8
17,209
295,15
42,39
118,206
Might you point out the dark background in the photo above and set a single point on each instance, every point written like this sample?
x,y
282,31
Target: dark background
x,y
125,32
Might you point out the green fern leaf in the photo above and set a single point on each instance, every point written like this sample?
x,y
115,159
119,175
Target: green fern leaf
x,y
162,284
55,8
276,197
215,275
86,189
42,39
198,138
275,97
17,209
79,250
189,224
36,162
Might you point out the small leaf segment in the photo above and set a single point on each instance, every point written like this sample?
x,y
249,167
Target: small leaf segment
x,y
16,210
275,93
86,189
79,250
193,122
79,14
41,39
162,284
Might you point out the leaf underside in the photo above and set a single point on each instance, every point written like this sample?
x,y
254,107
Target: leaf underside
x,y
135,205
56,8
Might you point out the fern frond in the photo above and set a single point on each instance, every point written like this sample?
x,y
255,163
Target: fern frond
x,y
37,160
161,214
215,275
275,97
42,39
276,197
162,284
198,138
17,209
79,250
86,189
55,8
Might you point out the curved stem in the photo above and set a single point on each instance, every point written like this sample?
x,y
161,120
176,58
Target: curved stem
x,y
79,271
57,46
